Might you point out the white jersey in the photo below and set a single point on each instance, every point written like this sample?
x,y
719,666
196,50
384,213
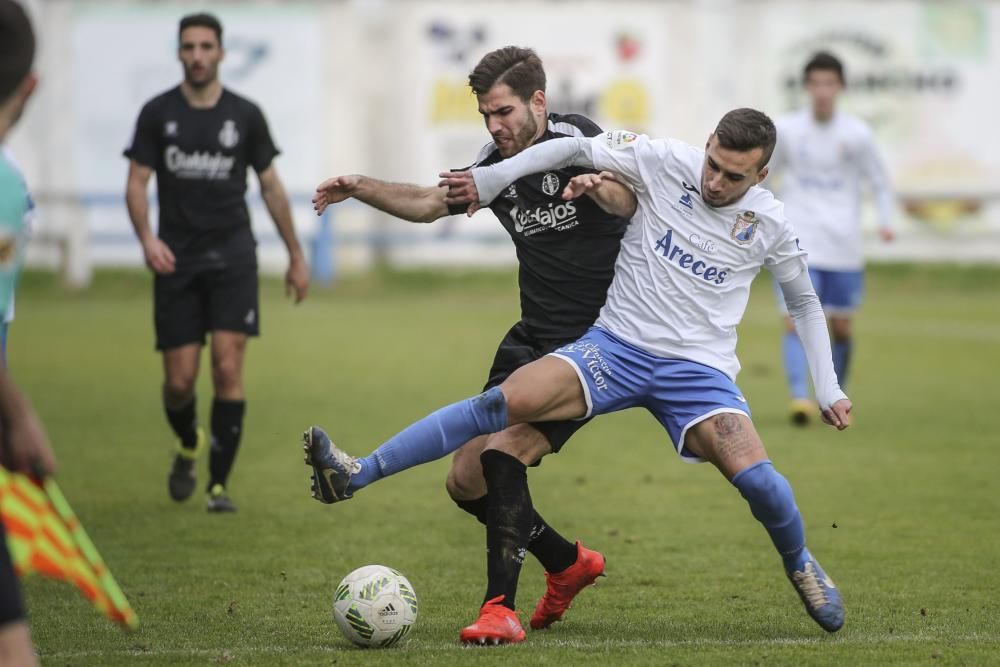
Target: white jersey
x,y
682,279
818,170
683,275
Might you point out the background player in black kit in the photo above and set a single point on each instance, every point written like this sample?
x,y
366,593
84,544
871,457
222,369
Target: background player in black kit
x,y
200,138
566,253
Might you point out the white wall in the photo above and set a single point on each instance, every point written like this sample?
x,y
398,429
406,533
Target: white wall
x,y
378,87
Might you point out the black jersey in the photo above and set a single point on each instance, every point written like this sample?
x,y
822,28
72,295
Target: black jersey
x,y
566,250
201,158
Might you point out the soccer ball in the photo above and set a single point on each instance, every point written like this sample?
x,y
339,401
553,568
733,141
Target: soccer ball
x,y
375,606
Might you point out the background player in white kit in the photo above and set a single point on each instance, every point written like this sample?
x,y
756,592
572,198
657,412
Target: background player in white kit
x,y
666,336
822,160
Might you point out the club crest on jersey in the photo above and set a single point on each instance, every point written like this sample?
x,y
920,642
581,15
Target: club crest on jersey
x,y
228,136
550,184
745,228
170,128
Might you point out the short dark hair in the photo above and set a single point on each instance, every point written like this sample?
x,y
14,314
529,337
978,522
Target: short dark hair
x,y
202,20
824,61
746,129
519,68
17,47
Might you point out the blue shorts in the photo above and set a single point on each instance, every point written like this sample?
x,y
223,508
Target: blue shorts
x,y
840,292
616,375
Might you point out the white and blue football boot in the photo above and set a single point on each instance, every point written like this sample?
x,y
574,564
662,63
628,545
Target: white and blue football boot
x,y
332,468
818,592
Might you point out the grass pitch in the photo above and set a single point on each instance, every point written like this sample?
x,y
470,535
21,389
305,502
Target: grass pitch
x,y
902,509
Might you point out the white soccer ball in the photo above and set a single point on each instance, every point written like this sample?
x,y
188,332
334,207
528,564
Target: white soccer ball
x,y
375,606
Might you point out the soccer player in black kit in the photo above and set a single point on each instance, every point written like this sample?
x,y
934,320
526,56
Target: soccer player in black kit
x,y
566,253
200,138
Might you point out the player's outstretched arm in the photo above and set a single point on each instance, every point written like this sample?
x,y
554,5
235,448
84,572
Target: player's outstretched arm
x,y
157,254
810,325
273,192
410,202
482,185
24,446
606,190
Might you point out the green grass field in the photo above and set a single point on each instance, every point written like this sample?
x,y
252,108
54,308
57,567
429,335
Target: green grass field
x,y
902,509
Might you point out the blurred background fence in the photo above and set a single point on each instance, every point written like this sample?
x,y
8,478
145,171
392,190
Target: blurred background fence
x,y
379,87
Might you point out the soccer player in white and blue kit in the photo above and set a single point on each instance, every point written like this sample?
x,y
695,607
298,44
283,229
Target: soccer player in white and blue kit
x,y
666,337
821,162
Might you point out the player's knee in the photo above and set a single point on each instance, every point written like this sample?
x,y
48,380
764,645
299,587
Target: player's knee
x,y
227,374
527,450
452,486
461,486
465,478
178,387
519,405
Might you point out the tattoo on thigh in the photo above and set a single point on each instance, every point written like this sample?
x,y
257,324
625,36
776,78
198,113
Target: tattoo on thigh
x,y
732,437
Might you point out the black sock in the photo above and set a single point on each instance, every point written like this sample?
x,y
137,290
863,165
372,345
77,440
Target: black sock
x,y
552,550
508,523
184,422
476,508
227,427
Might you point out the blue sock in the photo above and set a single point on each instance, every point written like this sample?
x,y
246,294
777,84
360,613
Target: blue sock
x,y
772,503
434,436
796,367
841,359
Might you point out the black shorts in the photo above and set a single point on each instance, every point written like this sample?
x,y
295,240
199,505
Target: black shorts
x,y
189,304
11,602
517,349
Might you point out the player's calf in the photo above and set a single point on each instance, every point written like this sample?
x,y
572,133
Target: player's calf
x,y
772,503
